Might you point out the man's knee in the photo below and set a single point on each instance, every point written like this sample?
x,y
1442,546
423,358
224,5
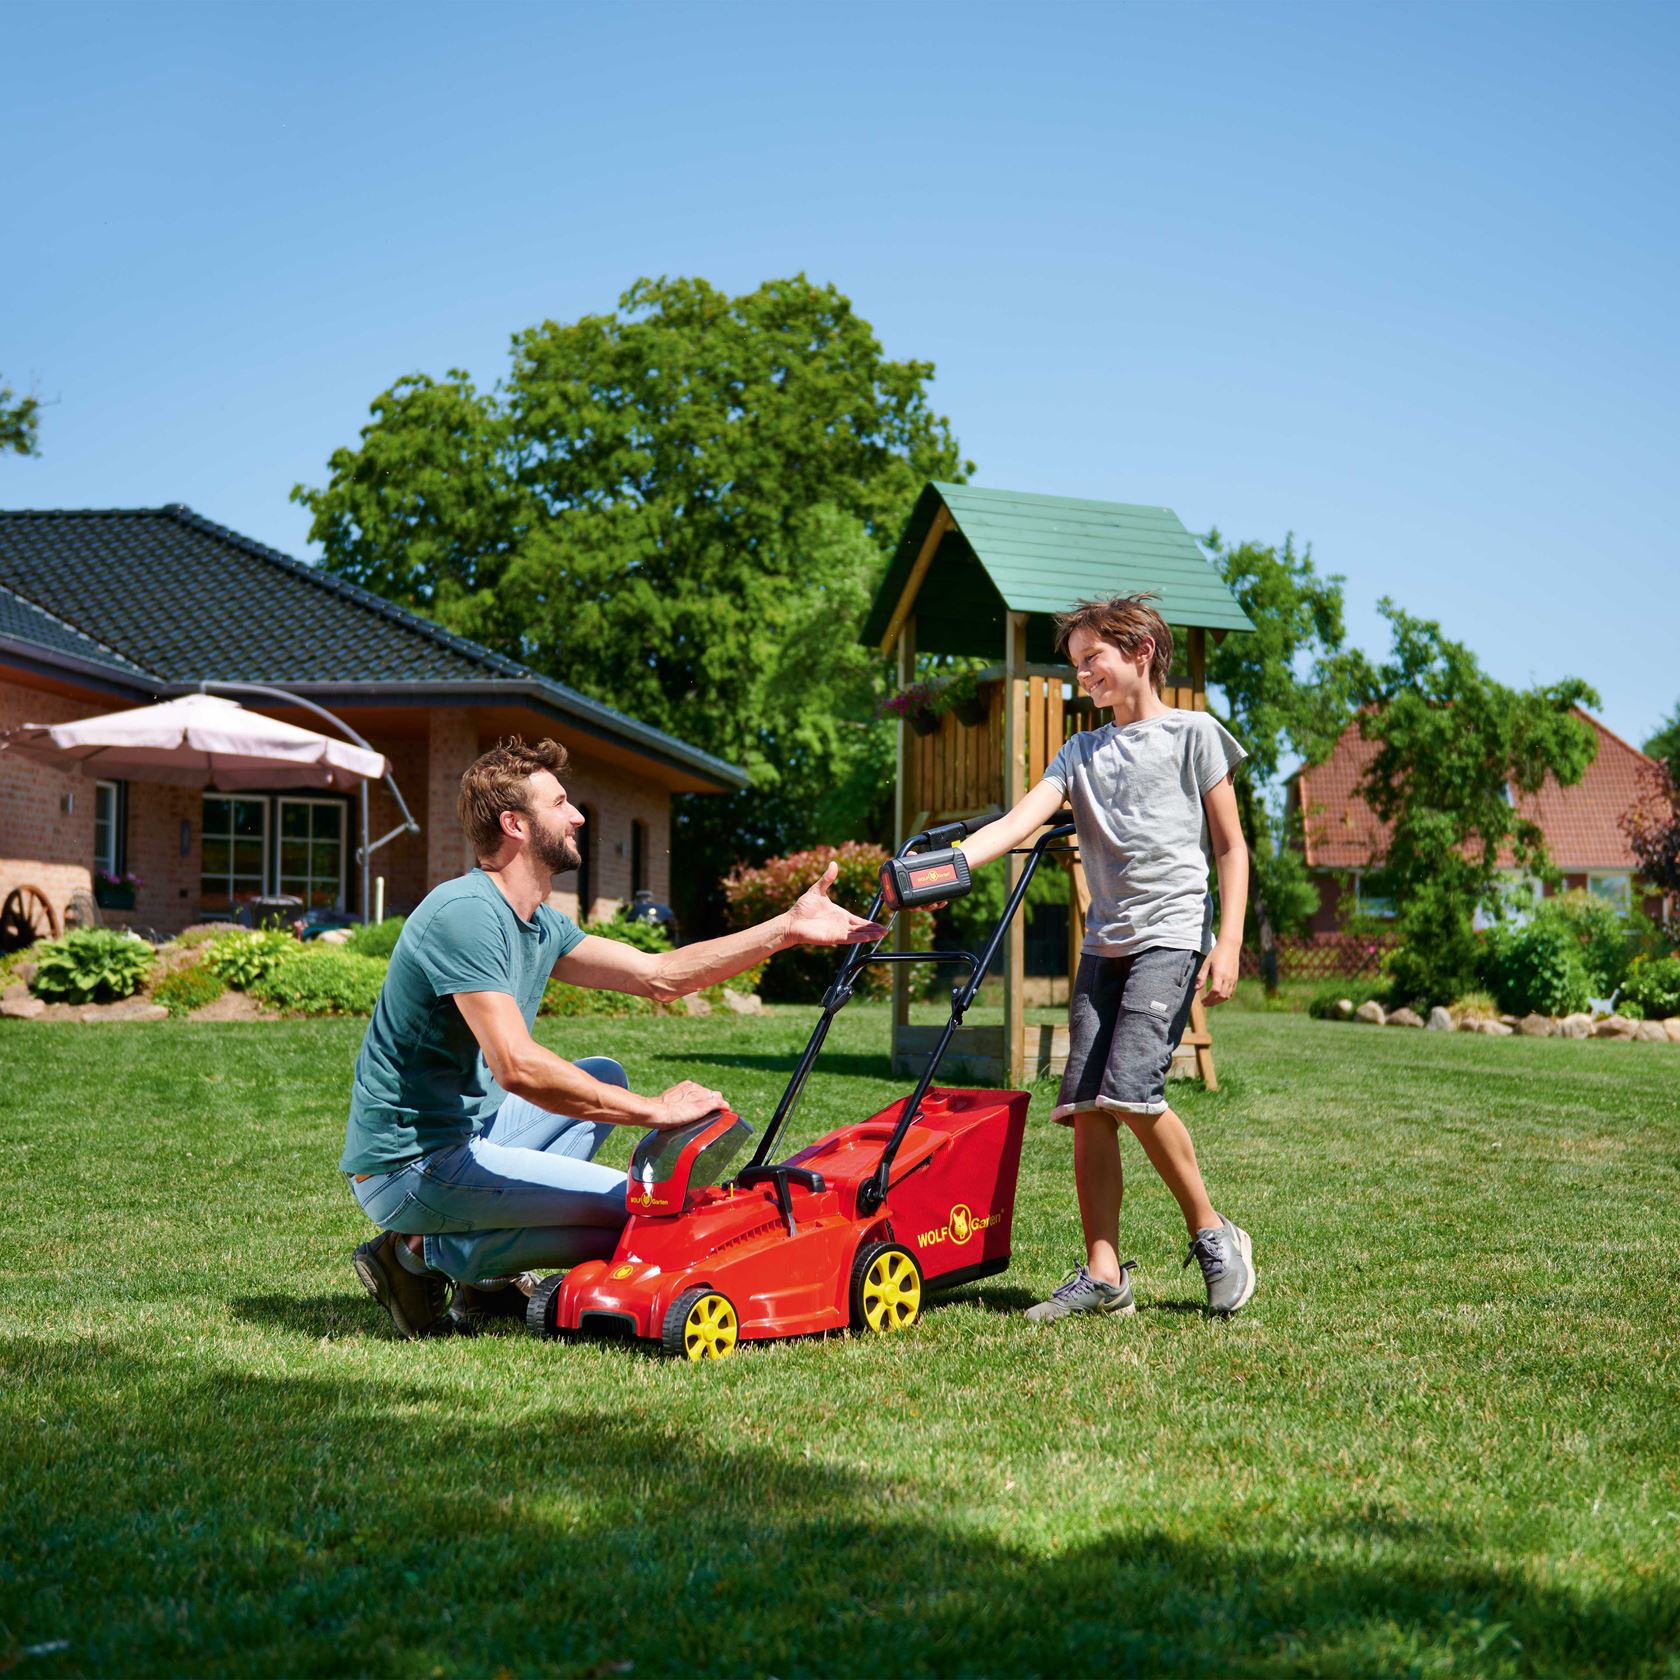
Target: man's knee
x,y
606,1070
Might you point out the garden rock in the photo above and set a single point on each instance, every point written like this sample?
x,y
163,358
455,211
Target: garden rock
x,y
334,936
1575,1026
1370,1011
1404,1018
1651,1032
18,1005
1440,1019
24,974
130,1009
1344,1009
1481,1024
1537,1026
1671,1029
743,1003
694,1004
1615,1026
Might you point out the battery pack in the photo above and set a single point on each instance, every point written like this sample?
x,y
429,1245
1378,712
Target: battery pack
x,y
931,878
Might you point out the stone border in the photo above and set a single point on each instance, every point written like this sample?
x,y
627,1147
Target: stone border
x,y
1372,1013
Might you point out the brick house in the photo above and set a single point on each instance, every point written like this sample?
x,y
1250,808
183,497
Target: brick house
x,y
102,610
1344,842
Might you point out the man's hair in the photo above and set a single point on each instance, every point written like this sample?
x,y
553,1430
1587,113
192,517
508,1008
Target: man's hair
x,y
500,780
1124,621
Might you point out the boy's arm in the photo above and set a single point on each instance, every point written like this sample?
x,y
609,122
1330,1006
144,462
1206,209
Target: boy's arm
x,y
1218,977
1027,818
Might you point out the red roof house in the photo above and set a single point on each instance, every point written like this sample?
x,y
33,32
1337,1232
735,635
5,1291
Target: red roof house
x,y
1344,840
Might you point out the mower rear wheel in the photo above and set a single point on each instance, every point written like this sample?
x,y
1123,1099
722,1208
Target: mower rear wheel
x,y
700,1324
886,1288
540,1310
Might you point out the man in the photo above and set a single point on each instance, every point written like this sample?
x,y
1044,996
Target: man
x,y
468,1143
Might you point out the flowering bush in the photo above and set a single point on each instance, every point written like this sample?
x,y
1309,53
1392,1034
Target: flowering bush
x,y
802,975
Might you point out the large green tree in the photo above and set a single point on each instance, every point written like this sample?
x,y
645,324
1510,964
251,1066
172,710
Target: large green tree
x,y
19,422
1289,686
1453,746
681,508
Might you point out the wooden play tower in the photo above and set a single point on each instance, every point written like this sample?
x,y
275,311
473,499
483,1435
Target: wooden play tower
x,y
983,573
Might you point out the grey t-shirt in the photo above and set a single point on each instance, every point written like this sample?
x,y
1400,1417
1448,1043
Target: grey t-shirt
x,y
421,1082
1136,793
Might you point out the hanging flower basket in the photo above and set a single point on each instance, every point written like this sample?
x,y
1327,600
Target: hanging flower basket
x,y
972,711
923,722
115,892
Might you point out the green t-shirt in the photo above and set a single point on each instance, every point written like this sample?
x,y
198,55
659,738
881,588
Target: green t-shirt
x,y
421,1081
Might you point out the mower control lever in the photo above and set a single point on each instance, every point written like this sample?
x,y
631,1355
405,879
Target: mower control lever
x,y
779,1178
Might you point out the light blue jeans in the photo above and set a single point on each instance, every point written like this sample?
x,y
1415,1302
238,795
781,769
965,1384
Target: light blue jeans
x,y
524,1195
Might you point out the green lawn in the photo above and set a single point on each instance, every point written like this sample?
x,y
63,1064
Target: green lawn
x,y
1444,1438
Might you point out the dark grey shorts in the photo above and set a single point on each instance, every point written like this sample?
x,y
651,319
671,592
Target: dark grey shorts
x,y
1125,1021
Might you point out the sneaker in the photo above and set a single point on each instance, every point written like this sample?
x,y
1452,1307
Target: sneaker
x,y
1227,1266
476,1305
1080,1292
415,1300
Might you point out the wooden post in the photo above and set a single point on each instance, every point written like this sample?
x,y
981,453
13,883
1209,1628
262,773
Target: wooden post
x,y
902,815
1014,788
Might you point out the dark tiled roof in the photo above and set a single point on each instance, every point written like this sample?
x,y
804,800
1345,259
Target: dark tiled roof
x,y
20,621
170,593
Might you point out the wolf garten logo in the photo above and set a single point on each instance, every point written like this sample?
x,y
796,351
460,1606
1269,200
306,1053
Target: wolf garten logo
x,y
646,1199
960,1224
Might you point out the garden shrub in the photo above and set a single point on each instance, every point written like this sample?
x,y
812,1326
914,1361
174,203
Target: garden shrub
x,y
644,935
802,975
560,999
375,939
1322,1005
1475,1005
91,965
243,957
1608,937
321,980
1536,968
188,989
1630,1009
1653,985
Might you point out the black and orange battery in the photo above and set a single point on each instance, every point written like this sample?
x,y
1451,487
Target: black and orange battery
x,y
931,878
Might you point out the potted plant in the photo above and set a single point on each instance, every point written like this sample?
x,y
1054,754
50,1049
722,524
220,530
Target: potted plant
x,y
915,705
115,892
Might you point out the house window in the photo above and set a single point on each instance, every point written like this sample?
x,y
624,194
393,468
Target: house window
x,y
1367,903
107,828
1613,889
235,851
638,857
311,856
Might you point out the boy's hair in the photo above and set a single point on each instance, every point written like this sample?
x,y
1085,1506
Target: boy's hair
x,y
498,781
1124,621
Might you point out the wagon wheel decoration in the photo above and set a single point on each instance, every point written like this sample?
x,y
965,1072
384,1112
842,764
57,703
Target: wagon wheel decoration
x,y
26,916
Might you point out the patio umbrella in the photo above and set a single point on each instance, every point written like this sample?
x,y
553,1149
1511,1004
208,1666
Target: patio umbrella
x,y
200,740
205,740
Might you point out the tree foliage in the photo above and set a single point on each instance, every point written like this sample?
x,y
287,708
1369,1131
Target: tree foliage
x,y
680,508
1452,743
1664,746
19,422
1652,827
1289,686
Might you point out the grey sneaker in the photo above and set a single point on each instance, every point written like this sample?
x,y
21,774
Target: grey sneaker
x,y
1227,1266
416,1302
477,1304
1080,1292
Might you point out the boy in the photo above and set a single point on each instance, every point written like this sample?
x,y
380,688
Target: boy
x,y
1149,791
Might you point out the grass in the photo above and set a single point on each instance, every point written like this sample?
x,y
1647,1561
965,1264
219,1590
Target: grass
x,y
1443,1440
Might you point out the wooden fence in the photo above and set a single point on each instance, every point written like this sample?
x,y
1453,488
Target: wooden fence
x,y
1322,956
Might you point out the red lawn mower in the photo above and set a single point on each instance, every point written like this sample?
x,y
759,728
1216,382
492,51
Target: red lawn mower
x,y
852,1230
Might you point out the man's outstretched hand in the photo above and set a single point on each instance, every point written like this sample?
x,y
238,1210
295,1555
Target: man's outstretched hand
x,y
816,919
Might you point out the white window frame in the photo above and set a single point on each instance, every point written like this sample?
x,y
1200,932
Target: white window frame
x,y
280,803
266,805
105,862
1385,911
1621,883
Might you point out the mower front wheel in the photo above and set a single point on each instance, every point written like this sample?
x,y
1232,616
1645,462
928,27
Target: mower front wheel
x,y
886,1288
541,1309
700,1324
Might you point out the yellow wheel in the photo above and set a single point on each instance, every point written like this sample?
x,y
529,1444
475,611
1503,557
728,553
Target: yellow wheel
x,y
886,1288
701,1324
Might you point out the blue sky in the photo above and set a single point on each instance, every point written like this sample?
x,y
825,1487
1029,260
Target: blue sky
x,y
1399,278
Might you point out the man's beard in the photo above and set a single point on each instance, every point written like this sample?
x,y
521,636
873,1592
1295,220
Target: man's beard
x,y
557,853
